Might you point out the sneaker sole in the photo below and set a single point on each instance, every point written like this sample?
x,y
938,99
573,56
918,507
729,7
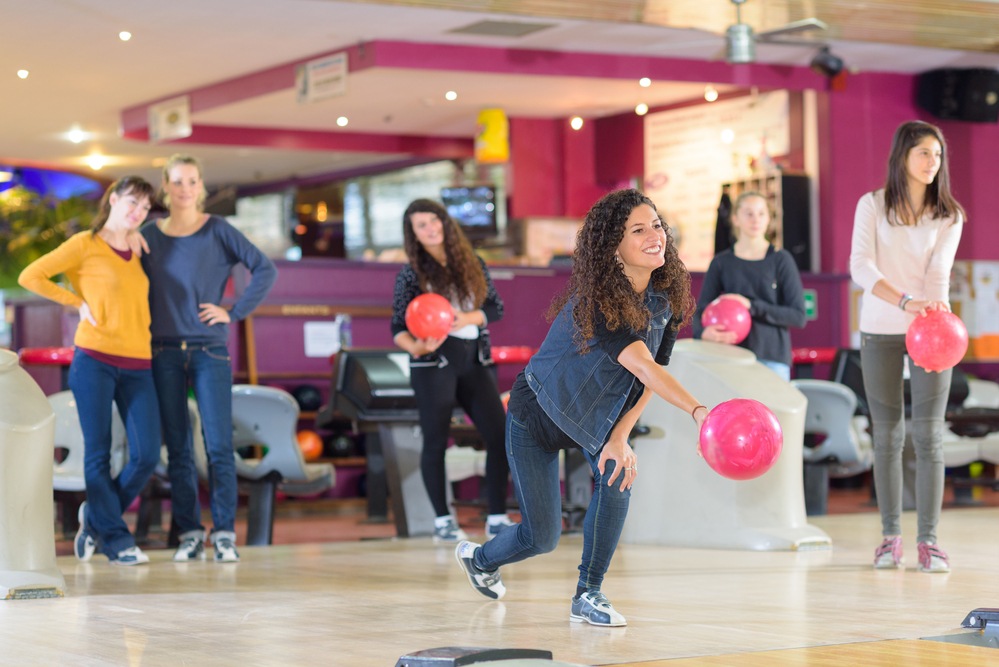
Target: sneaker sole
x,y
929,571
138,562
582,619
202,556
900,566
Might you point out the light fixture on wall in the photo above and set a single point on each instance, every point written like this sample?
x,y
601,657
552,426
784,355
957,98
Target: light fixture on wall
x,y
710,94
95,162
124,35
342,121
645,82
451,96
76,135
642,109
826,63
576,123
727,136
23,73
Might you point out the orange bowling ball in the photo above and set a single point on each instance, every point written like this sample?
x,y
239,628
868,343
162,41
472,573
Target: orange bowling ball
x,y
311,445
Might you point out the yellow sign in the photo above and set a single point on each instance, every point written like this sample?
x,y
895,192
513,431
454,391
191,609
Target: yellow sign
x,y
492,141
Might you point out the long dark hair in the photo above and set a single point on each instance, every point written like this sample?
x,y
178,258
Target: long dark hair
x,y
462,278
938,199
128,185
598,282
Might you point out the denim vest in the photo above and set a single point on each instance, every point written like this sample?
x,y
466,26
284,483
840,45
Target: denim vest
x,y
585,393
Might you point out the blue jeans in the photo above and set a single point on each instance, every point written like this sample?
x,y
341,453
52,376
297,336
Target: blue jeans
x,y
777,367
95,385
209,371
535,473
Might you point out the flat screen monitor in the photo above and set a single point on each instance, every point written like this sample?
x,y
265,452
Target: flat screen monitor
x,y
474,208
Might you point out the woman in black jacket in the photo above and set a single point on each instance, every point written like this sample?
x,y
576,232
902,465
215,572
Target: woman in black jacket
x,y
443,370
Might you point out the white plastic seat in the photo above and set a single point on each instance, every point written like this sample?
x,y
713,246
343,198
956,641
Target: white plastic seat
x,y
830,412
68,475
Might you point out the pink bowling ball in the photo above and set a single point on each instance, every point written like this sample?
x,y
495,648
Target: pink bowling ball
x,y
731,315
741,439
938,341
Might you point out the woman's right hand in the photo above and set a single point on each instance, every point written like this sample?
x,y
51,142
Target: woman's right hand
x,y
922,307
85,314
424,346
136,242
718,334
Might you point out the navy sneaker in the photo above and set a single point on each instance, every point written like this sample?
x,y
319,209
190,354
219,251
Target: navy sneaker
x,y
494,526
83,544
593,607
486,584
446,530
131,556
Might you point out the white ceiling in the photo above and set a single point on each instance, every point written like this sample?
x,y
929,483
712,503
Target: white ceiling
x,y
82,73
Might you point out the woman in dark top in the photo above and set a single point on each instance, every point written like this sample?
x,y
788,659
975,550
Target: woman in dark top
x,y
455,367
613,330
762,279
190,256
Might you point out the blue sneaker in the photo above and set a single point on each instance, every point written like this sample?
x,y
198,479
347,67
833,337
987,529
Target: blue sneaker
x,y
594,608
83,544
225,547
131,556
486,584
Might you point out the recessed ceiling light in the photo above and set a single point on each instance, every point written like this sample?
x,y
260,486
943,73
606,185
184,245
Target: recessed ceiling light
x,y
125,35
576,123
341,121
23,73
451,95
76,135
95,162
642,109
645,82
710,94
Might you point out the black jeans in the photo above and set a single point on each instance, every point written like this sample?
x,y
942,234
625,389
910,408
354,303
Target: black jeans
x,y
459,376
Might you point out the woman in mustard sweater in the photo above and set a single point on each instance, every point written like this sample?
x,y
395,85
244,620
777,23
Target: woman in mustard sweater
x,y
111,363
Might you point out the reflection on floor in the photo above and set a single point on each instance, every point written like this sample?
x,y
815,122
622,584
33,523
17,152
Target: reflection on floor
x,y
367,602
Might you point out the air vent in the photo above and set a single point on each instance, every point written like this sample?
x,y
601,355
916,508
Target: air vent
x,y
502,28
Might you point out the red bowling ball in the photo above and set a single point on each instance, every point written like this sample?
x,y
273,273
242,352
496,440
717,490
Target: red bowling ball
x,y
731,315
429,316
938,341
741,439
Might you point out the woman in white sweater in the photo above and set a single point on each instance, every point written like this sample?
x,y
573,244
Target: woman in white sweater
x,y
905,237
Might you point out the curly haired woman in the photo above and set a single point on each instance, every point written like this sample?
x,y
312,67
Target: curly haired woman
x,y
455,367
613,331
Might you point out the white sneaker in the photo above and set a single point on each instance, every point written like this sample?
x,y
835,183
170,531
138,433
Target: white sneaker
x,y
446,530
225,548
131,556
192,547
487,584
495,523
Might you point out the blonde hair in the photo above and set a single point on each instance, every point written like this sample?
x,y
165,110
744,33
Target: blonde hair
x,y
178,159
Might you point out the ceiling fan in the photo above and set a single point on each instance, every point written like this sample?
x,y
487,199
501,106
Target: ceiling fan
x,y
741,40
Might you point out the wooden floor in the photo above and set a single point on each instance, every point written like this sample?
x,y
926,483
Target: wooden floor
x,y
368,602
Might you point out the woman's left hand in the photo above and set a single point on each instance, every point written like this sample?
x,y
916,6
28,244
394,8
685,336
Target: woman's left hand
x,y
738,297
620,452
136,242
212,314
462,319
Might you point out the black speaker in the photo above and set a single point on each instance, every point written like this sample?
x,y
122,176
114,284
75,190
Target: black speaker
x,y
960,94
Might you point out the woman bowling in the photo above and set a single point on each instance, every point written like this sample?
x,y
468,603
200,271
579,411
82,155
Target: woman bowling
x,y
190,256
111,363
761,278
904,240
456,367
613,331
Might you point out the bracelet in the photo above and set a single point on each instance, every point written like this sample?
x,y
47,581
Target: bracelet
x,y
695,410
906,298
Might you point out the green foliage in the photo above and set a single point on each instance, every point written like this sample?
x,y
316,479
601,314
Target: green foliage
x,y
31,226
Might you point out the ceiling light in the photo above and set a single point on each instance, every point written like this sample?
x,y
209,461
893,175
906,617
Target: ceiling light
x,y
710,94
645,82
76,135
95,162
341,121
451,95
576,123
6,176
125,35
826,63
727,136
23,73
642,109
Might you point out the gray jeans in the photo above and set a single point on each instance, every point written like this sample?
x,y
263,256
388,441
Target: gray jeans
x,y
882,358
